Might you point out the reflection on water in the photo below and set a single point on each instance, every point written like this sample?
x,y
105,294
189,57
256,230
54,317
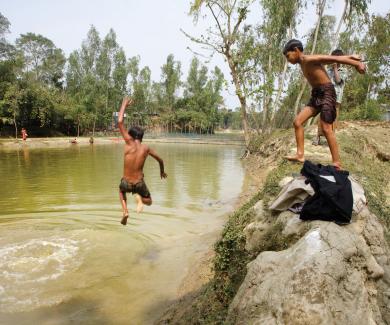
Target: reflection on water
x,y
64,257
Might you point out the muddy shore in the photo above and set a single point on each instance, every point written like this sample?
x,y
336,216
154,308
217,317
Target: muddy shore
x,y
60,142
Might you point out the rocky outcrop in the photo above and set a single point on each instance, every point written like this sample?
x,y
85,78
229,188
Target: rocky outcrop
x,y
332,275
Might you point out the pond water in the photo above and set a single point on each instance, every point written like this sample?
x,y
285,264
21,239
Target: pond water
x,y
65,257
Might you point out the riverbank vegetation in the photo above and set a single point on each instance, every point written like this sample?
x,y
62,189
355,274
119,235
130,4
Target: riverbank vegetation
x,y
50,94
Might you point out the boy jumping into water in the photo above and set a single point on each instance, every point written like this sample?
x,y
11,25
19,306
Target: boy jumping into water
x,y
135,154
323,95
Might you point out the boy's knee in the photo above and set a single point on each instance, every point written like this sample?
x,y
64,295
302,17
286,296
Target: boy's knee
x,y
147,201
297,123
327,128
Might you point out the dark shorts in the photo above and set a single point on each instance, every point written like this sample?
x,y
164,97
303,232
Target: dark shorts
x,y
139,188
323,100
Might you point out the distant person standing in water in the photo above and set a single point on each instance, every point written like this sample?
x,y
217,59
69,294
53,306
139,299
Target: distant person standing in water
x,y
337,75
135,154
24,134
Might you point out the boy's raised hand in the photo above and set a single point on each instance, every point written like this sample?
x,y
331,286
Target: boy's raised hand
x,y
361,67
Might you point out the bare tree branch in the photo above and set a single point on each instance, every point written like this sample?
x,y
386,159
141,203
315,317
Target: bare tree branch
x,y
219,26
199,41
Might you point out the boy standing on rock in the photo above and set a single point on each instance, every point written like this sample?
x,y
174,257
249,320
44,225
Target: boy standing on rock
x,y
135,154
323,95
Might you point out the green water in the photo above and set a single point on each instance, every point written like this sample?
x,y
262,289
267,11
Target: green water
x,y
64,256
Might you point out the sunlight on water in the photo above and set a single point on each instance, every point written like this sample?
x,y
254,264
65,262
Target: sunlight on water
x,y
64,255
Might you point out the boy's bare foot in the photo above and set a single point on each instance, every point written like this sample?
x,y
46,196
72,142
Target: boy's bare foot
x,y
124,219
295,158
140,204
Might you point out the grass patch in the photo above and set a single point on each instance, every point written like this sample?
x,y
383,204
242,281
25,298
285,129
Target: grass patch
x,y
361,160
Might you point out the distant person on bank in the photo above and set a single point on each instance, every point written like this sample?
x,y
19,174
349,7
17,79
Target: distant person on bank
x,y
337,75
323,95
24,134
135,154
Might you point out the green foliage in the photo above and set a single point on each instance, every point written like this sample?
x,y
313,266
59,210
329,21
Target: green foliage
x,y
84,95
170,75
42,61
370,110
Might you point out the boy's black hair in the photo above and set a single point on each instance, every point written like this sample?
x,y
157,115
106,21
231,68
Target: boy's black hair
x,y
136,133
291,45
337,52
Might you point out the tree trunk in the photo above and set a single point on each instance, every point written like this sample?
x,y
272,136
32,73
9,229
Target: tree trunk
x,y
367,98
267,95
320,13
275,106
342,19
282,76
240,95
16,127
93,127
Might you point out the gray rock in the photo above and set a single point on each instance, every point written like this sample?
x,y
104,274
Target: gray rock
x,y
332,275
254,232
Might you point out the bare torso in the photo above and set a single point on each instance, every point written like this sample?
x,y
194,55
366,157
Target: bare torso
x,y
314,72
135,154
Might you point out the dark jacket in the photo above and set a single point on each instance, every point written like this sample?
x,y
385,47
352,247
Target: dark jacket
x,y
332,201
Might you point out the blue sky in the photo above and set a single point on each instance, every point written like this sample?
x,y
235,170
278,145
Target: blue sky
x,y
149,28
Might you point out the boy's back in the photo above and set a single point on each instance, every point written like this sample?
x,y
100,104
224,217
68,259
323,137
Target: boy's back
x,y
135,154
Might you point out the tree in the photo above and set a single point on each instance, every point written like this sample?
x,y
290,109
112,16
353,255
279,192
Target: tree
x,y
11,105
280,20
42,59
364,96
170,80
5,47
223,37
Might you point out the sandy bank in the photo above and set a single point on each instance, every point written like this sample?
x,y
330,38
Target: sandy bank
x,y
61,142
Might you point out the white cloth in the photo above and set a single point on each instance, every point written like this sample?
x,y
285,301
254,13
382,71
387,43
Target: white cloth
x,y
295,191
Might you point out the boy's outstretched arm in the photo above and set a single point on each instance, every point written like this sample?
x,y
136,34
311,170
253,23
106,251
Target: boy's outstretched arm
x,y
160,162
126,101
352,60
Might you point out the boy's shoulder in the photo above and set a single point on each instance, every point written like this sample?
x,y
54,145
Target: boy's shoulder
x,y
145,147
311,58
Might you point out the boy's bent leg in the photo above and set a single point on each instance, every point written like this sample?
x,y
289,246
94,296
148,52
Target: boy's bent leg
x,y
142,196
146,200
123,199
299,121
141,201
331,138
